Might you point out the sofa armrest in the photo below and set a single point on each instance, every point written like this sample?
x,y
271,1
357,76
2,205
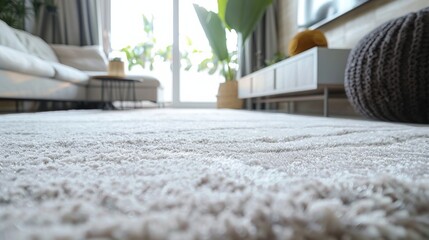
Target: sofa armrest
x,y
17,61
85,58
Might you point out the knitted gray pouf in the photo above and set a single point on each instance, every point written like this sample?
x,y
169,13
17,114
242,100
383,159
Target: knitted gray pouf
x,y
387,74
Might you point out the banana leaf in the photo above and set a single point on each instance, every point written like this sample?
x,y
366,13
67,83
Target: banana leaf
x,y
214,30
243,15
221,8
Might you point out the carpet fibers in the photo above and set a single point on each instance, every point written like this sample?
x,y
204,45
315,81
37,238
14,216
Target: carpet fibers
x,y
210,174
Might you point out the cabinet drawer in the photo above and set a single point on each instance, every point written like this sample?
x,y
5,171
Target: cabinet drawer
x,y
244,87
296,75
307,77
286,76
263,82
307,71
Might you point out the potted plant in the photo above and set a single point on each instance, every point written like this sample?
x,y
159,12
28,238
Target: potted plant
x,y
241,16
116,67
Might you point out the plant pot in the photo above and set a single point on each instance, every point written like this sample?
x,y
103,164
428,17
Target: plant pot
x,y
116,68
227,96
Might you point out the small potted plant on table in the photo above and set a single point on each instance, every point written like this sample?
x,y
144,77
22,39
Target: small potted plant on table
x,y
116,67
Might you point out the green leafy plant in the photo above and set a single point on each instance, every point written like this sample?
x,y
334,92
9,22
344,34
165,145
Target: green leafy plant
x,y
143,54
116,59
13,12
148,53
241,16
276,58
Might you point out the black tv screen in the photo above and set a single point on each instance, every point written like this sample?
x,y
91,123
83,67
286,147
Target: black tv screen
x,y
314,13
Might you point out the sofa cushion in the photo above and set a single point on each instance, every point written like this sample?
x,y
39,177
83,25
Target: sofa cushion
x,y
86,58
69,74
36,46
16,61
9,39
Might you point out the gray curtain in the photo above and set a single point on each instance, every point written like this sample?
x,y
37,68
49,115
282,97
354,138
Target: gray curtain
x,y
105,23
74,22
261,46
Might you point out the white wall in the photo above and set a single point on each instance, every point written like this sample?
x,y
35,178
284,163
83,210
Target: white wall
x,y
347,30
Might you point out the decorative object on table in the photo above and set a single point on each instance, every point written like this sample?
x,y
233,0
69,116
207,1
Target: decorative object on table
x,y
116,67
241,16
305,40
388,71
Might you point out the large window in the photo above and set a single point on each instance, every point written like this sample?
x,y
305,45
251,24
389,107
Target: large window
x,y
146,28
128,31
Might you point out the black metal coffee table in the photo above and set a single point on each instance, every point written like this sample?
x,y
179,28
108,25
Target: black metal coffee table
x,y
112,89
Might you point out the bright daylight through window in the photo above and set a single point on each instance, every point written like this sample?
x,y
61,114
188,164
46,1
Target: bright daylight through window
x,y
142,33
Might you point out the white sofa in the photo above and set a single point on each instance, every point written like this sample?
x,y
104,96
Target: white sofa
x,y
30,69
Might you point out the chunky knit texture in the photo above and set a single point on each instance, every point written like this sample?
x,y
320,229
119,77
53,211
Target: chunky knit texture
x,y
387,75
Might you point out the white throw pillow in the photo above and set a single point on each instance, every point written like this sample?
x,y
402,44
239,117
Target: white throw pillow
x,y
86,58
35,45
69,74
9,39
16,61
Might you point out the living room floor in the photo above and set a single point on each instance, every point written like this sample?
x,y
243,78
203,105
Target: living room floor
x,y
210,174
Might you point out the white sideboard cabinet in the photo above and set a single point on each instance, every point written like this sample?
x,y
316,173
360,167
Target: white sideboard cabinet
x,y
312,75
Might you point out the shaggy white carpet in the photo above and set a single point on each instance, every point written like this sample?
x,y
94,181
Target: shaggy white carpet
x,y
210,174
